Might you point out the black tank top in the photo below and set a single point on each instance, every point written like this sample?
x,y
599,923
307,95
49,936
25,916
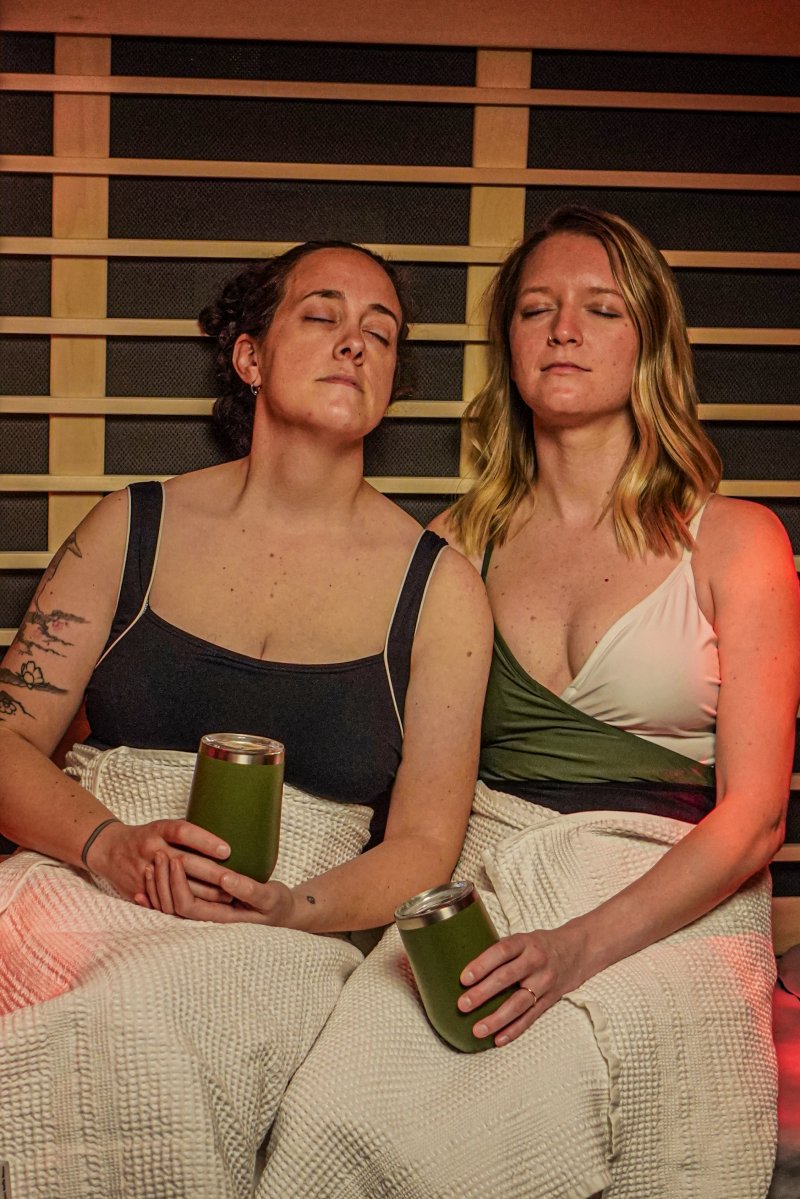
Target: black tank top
x,y
159,687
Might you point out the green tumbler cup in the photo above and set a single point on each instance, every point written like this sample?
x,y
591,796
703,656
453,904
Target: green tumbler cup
x,y
236,793
442,930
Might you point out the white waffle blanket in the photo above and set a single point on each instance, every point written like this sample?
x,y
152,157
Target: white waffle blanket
x,y
655,1080
143,1056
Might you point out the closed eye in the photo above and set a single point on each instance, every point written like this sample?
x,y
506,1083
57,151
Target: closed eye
x,y
526,312
378,336
323,320
607,313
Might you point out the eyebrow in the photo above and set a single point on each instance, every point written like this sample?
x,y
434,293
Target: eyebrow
x,y
329,294
595,291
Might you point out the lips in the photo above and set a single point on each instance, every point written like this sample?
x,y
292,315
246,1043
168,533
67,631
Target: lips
x,y
346,380
564,367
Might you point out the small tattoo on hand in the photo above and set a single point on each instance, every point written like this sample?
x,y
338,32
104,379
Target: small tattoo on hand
x,y
311,899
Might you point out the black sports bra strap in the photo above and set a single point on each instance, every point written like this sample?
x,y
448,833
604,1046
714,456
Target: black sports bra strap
x,y
404,623
146,501
487,557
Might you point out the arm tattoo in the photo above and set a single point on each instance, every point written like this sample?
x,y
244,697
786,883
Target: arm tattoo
x,y
69,546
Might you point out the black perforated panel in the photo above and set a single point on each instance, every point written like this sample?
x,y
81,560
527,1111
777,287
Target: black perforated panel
x,y
422,507
769,451
16,590
164,366
24,286
741,298
24,365
293,210
412,447
165,445
23,521
687,220
25,205
748,374
23,444
721,73
662,140
437,370
256,130
302,61
173,288
26,123
29,52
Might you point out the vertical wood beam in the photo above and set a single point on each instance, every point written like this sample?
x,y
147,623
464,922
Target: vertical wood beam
x,y
81,127
497,214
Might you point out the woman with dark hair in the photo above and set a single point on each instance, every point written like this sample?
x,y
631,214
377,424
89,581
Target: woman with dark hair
x,y
638,735
277,594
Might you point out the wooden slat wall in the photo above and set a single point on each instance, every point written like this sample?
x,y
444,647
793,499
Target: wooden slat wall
x,y
504,103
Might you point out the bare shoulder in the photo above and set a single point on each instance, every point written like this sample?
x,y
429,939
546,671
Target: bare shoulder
x,y
457,597
443,525
734,532
97,544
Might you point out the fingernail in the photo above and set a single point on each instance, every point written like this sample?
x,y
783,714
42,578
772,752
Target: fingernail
x,y
480,1030
148,871
465,1003
502,1040
468,977
223,850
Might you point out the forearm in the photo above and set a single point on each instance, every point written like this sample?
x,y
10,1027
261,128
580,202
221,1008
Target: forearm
x,y
695,875
364,892
40,807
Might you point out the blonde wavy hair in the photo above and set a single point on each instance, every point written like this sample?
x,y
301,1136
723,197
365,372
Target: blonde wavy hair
x,y
672,465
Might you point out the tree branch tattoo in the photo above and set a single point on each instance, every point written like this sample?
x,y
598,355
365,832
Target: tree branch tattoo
x,y
39,633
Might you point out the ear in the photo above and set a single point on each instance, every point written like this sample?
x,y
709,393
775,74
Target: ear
x,y
245,359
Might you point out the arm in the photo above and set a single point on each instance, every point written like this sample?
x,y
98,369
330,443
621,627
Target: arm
x,y
745,557
432,794
42,681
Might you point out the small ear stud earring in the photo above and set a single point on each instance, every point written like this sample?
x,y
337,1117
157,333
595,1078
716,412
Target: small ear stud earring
x,y
255,388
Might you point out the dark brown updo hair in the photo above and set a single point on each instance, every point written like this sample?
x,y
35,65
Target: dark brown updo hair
x,y
247,304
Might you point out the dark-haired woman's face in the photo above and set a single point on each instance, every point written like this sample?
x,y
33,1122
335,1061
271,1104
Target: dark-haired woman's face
x,y
328,359
573,343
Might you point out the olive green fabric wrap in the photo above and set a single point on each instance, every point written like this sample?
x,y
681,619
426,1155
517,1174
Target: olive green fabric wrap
x,y
531,734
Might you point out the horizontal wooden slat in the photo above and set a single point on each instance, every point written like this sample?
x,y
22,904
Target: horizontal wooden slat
x,y
375,173
476,255
280,89
201,406
682,26
145,327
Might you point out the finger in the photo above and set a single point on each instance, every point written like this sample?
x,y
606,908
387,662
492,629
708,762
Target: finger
x,y
184,833
163,889
246,890
150,885
203,869
141,899
204,891
509,974
518,1027
504,950
519,1004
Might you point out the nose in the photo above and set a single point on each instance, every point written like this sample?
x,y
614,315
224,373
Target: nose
x,y
565,328
350,345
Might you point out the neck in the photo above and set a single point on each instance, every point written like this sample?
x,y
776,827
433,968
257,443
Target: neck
x,y
577,467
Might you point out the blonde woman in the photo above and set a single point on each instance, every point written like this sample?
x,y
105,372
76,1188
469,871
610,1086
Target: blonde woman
x,y
638,734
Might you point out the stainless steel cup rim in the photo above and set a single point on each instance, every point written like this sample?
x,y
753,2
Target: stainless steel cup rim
x,y
245,749
434,905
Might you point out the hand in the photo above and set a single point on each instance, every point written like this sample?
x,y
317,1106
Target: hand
x,y
542,961
180,885
123,852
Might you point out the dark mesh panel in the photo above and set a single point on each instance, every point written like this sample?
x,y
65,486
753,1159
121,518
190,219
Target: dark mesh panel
x,y
24,365
26,205
256,130
721,73
313,62
162,366
437,370
26,123
769,451
24,286
686,220
23,444
161,445
662,140
793,815
23,521
413,447
788,513
173,288
27,52
740,298
16,589
423,507
256,209
748,374
785,878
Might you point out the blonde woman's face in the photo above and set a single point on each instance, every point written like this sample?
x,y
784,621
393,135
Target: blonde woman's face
x,y
573,343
